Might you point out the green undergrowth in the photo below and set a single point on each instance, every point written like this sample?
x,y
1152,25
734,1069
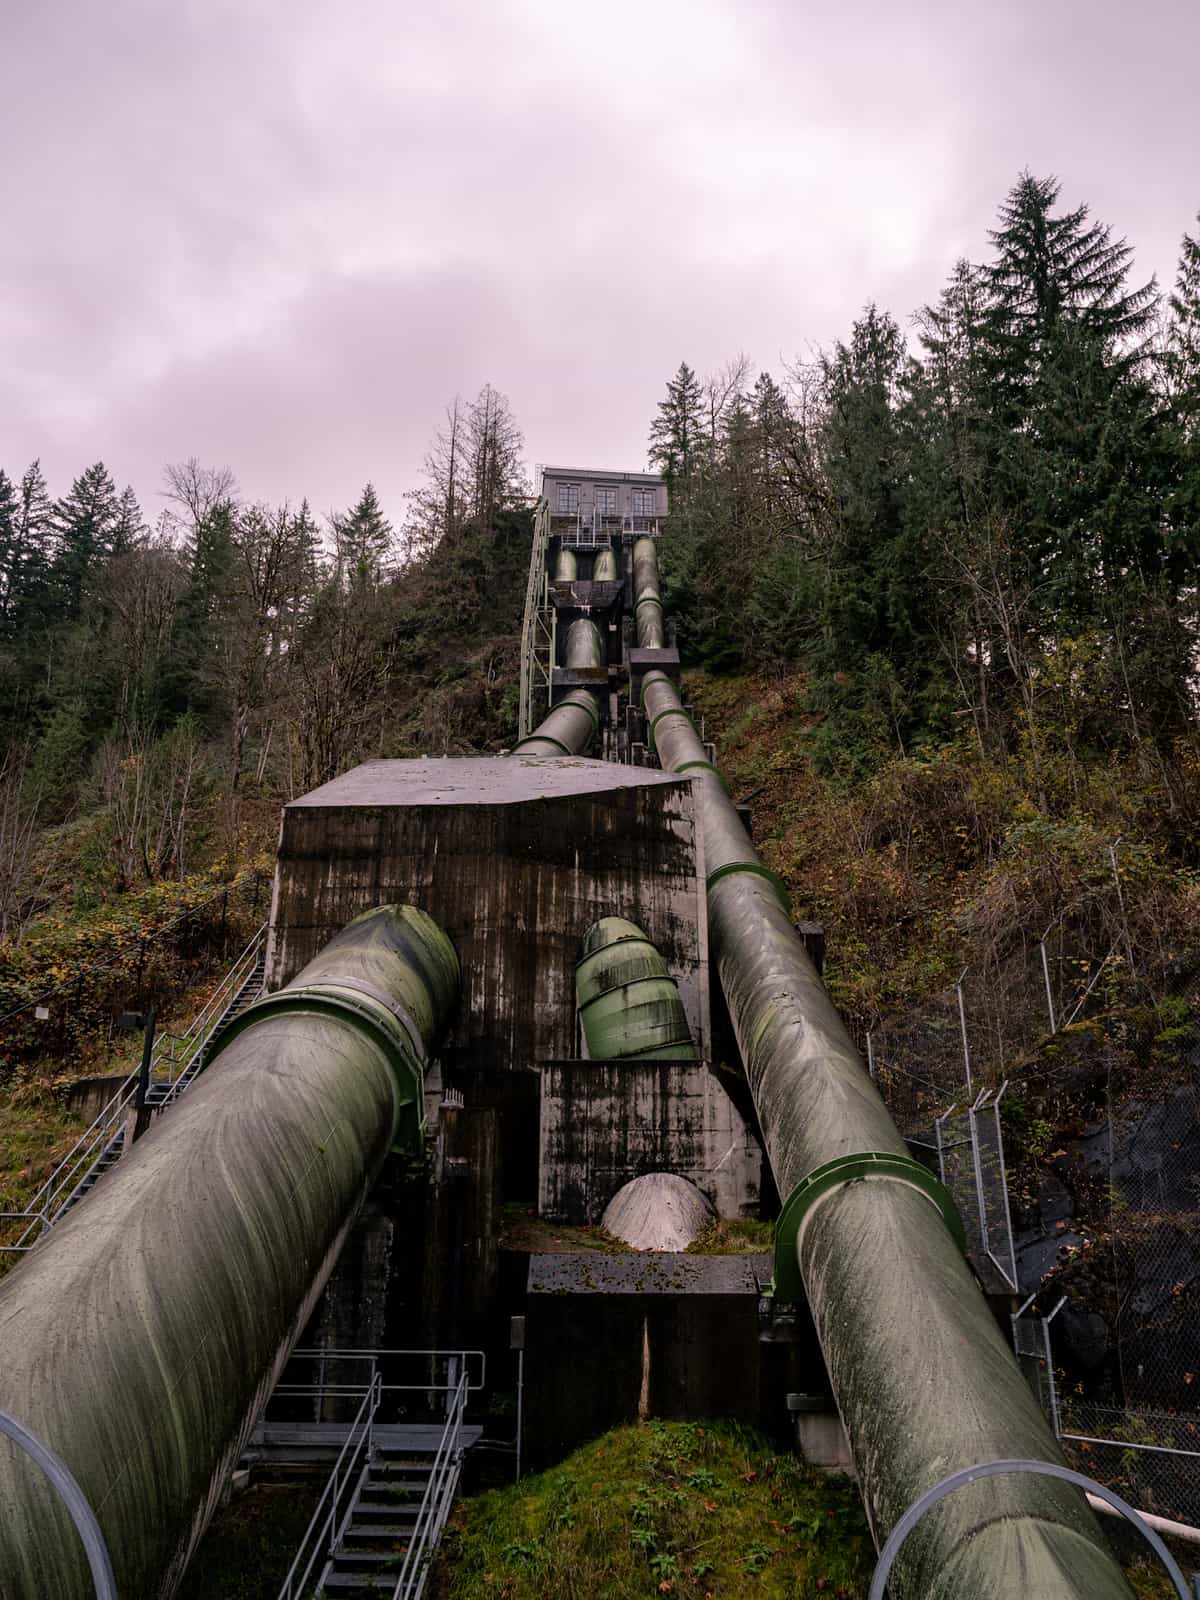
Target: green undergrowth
x,y
665,1508
737,1237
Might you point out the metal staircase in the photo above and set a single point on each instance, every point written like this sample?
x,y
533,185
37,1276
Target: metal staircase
x,y
377,1525
176,1061
382,1521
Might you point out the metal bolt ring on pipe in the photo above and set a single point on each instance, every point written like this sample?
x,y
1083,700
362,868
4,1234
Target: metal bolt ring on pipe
x,y
923,1379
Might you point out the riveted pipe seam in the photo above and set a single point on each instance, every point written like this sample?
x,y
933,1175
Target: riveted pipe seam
x,y
872,1166
316,999
655,675
707,766
654,721
585,702
758,870
542,738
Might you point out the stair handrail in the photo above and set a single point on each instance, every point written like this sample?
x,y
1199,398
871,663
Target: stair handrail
x,y
41,1209
327,1522
214,1010
435,1502
49,1200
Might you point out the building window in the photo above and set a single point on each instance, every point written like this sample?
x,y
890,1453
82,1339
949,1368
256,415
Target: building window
x,y
606,500
643,502
568,499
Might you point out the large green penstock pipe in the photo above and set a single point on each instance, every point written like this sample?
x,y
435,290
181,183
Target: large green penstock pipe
x,y
924,1381
141,1338
568,729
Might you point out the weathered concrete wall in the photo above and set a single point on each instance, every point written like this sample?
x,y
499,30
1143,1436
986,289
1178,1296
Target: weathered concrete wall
x,y
604,1122
516,857
614,1338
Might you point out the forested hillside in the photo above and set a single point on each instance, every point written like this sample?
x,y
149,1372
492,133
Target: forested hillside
x,y
942,581
938,582
163,688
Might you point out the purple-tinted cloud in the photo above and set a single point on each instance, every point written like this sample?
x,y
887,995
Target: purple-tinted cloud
x,y
280,235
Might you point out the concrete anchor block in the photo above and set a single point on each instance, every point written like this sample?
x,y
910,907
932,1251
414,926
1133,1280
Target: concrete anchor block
x,y
820,1436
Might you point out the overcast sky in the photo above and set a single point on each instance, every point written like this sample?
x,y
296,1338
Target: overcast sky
x,y
280,235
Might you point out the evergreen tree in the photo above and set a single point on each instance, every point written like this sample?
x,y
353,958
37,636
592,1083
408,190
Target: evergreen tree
x,y
1183,339
28,602
129,529
677,432
87,522
8,543
1078,456
364,540
1054,272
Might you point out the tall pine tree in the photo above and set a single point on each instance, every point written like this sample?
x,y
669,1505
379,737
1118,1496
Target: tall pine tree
x,y
677,432
87,522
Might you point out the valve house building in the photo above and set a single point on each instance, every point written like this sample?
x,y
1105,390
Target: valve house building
x,y
580,498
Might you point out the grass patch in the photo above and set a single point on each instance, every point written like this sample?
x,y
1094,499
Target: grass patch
x,y
741,1236
35,1133
522,1229
667,1508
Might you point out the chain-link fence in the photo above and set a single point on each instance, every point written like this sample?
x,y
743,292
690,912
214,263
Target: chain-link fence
x,y
1151,1457
970,1145
937,1066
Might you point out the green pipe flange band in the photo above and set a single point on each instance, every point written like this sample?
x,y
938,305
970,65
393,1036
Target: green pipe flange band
x,y
545,738
393,1040
759,871
671,711
653,676
787,1286
647,600
685,766
587,703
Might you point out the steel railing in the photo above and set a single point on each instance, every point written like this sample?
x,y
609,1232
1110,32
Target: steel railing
x,y
334,1507
459,1364
533,627
172,1058
436,1502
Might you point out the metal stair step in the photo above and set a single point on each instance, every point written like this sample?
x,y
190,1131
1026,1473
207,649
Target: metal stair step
x,y
398,1476
365,1560
377,1530
367,1511
357,1582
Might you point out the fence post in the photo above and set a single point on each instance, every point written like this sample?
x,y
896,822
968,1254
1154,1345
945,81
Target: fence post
x,y
1051,1385
962,1021
1046,976
871,1054
1112,856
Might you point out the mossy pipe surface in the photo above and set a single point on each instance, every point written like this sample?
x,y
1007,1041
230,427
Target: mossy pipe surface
x,y
627,1000
651,630
604,568
924,1381
568,728
566,566
142,1336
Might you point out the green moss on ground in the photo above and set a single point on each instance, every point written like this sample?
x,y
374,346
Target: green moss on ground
x,y
741,1236
522,1229
672,1508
